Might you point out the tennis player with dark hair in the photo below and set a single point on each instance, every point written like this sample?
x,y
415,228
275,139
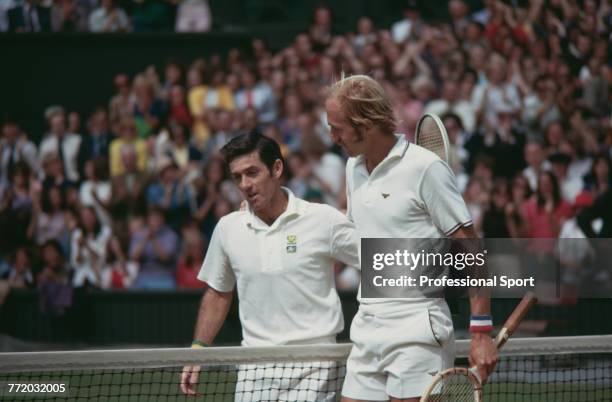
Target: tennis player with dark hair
x,y
279,253
399,190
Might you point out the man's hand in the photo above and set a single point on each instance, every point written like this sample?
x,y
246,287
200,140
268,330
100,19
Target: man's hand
x,y
189,379
483,355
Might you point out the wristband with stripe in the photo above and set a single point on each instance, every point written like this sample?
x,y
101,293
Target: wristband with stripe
x,y
481,323
198,344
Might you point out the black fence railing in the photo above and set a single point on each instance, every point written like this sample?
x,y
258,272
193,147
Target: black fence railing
x,y
168,318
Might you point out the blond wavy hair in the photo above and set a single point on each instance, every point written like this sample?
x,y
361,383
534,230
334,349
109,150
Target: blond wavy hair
x,y
364,103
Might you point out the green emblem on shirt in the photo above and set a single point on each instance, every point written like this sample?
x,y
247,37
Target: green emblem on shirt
x,y
291,244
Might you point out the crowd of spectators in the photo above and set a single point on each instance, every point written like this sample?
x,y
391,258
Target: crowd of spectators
x,y
105,16
128,196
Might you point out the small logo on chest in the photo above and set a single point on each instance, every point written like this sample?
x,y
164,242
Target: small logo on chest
x,y
385,195
291,244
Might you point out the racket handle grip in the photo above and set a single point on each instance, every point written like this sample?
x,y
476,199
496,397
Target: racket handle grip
x,y
528,301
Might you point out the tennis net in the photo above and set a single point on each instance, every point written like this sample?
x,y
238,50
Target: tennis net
x,y
559,369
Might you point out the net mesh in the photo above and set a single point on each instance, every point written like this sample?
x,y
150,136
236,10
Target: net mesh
x,y
430,137
565,369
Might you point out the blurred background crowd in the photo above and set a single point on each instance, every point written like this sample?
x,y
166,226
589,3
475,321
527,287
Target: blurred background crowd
x,y
128,195
105,16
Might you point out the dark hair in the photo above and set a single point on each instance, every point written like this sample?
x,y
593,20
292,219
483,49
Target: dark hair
x,y
267,149
97,226
156,209
46,198
556,191
21,168
55,245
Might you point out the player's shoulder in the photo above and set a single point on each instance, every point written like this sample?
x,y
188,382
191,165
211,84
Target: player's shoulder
x,y
323,212
418,155
230,220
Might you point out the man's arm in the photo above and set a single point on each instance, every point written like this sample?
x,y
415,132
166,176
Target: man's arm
x,y
211,315
483,352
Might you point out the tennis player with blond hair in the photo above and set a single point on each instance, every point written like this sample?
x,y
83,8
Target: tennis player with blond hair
x,y
396,189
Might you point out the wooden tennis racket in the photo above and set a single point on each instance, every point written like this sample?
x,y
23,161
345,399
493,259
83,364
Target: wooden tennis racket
x,y
431,135
462,384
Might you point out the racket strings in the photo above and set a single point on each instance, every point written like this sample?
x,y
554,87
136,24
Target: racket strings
x,y
430,138
454,388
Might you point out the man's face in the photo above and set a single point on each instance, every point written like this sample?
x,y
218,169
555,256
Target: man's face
x,y
256,182
341,131
58,124
10,132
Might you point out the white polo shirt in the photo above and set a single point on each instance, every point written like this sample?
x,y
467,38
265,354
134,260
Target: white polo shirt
x,y
410,194
284,272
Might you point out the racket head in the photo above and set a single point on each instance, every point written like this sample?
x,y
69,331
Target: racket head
x,y
457,384
431,135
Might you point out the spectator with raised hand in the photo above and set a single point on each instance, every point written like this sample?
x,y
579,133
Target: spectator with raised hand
x,y
154,247
119,272
62,143
569,186
96,190
88,249
497,92
108,18
15,147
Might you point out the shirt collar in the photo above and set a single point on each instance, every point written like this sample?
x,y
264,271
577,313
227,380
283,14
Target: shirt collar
x,y
398,151
295,207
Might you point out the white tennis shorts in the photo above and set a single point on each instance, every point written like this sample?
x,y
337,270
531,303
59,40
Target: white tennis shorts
x,y
290,382
398,353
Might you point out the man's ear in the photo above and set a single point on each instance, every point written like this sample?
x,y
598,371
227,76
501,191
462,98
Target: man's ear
x,y
277,169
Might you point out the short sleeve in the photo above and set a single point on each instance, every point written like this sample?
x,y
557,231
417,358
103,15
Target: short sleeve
x,y
216,270
442,199
343,239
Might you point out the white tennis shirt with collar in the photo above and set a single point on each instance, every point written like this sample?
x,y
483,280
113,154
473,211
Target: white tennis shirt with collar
x,y
283,272
410,194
